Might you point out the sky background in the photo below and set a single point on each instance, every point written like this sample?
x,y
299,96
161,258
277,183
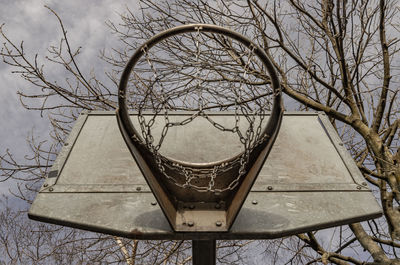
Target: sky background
x,y
31,22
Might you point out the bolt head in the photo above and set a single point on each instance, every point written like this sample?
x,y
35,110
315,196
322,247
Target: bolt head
x,y
153,203
190,223
191,207
254,202
138,188
270,188
218,223
51,189
45,185
364,183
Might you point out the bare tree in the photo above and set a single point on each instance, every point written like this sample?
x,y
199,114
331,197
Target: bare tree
x,y
25,242
339,57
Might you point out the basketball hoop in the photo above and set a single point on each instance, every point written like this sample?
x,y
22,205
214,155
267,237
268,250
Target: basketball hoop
x,y
200,108
202,69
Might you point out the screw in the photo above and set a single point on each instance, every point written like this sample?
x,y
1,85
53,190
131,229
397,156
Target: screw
x,y
191,207
364,183
51,189
359,187
254,202
218,223
66,144
341,144
45,185
270,188
153,203
138,188
190,223
218,206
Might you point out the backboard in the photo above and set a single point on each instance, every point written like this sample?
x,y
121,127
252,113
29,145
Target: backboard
x,y
308,182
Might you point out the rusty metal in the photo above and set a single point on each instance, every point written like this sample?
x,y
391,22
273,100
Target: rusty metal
x,y
175,182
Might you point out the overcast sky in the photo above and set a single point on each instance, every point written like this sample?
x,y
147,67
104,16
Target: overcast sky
x,y
31,22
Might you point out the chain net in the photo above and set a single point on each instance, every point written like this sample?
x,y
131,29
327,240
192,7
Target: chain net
x,y
204,73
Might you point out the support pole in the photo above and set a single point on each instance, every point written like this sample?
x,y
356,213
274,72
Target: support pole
x,y
204,252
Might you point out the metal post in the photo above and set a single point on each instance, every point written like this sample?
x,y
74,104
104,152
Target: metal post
x,y
204,252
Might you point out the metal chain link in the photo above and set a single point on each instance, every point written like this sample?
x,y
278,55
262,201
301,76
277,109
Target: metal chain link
x,y
249,139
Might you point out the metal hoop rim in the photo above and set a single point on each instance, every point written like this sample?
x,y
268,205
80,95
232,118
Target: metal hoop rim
x,y
273,124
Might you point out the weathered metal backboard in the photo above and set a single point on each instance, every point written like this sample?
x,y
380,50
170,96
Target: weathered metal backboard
x,y
308,182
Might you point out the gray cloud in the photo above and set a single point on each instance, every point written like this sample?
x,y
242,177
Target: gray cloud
x,y
31,22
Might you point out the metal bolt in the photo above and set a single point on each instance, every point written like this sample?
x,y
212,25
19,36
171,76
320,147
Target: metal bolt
x,y
45,185
66,144
218,223
138,188
254,202
191,207
341,144
218,206
364,183
190,223
359,187
153,203
270,188
51,189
